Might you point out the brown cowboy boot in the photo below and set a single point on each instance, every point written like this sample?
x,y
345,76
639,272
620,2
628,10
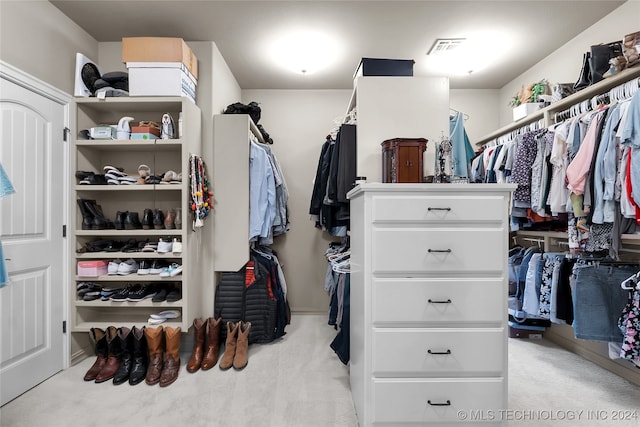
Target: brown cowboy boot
x,y
99,338
171,367
155,345
213,343
199,330
114,359
230,346
241,359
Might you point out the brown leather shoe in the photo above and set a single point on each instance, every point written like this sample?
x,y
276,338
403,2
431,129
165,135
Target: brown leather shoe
x,y
99,338
241,359
155,344
171,367
229,346
114,359
170,219
199,330
213,343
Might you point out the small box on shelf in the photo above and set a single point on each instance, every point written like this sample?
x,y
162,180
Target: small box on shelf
x,y
523,110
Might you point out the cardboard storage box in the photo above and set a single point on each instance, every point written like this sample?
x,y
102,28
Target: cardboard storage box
x,y
92,268
145,130
159,49
384,67
161,79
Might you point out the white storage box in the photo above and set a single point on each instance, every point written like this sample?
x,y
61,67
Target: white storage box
x,y
161,79
523,110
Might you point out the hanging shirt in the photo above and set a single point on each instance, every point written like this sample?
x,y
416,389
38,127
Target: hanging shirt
x,y
558,194
461,149
579,167
262,193
631,137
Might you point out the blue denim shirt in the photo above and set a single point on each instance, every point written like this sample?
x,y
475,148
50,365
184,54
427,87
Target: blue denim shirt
x,y
262,193
631,137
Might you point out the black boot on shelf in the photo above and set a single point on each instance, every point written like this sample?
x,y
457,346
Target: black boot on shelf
x,y
132,221
109,224
119,221
158,219
99,222
87,218
147,219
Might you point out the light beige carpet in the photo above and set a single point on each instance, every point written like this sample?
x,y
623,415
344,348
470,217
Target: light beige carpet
x,y
299,382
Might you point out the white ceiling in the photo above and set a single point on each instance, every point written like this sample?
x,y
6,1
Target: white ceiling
x,y
527,32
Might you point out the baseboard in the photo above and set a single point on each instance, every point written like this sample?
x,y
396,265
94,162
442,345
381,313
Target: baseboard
x,y
78,357
595,352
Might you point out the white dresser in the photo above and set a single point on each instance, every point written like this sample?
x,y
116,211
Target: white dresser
x,y
429,303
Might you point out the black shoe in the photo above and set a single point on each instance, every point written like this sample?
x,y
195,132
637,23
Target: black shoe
x,y
132,222
158,219
147,219
161,294
141,293
119,221
121,295
122,374
174,295
87,216
140,356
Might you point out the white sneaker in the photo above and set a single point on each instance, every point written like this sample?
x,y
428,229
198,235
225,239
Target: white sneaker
x,y
177,246
127,267
112,268
164,246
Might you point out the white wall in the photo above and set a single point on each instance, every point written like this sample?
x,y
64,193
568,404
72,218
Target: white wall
x,y
34,35
298,121
563,65
481,107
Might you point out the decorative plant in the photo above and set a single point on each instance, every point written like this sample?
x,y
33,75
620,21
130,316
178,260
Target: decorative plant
x,y
530,93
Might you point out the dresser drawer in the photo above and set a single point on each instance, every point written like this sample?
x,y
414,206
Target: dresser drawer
x,y
438,300
420,250
404,352
438,208
436,401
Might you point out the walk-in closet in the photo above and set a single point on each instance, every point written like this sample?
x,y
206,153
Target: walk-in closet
x,y
319,213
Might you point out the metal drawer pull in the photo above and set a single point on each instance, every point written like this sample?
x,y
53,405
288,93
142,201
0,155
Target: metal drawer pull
x,y
447,403
439,302
439,352
448,251
439,209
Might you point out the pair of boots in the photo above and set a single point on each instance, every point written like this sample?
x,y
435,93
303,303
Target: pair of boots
x,y
201,358
236,351
164,355
92,216
122,355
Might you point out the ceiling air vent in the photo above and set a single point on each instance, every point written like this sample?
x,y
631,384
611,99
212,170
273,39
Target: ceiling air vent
x,y
441,46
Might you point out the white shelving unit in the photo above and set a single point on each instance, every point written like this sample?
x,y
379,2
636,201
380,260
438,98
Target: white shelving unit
x,y
160,156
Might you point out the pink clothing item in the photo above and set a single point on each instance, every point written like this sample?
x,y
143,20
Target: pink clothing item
x,y
579,167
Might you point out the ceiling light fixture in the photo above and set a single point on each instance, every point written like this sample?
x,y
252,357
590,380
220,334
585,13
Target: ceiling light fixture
x,y
304,52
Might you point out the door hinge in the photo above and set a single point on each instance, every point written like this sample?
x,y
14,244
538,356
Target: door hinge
x,y
64,326
65,133
64,231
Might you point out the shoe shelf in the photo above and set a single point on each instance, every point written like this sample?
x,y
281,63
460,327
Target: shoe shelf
x,y
127,255
130,145
133,187
129,278
128,321
129,233
133,304
161,156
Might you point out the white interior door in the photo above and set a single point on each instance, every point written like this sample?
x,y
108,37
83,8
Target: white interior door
x,y
32,152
